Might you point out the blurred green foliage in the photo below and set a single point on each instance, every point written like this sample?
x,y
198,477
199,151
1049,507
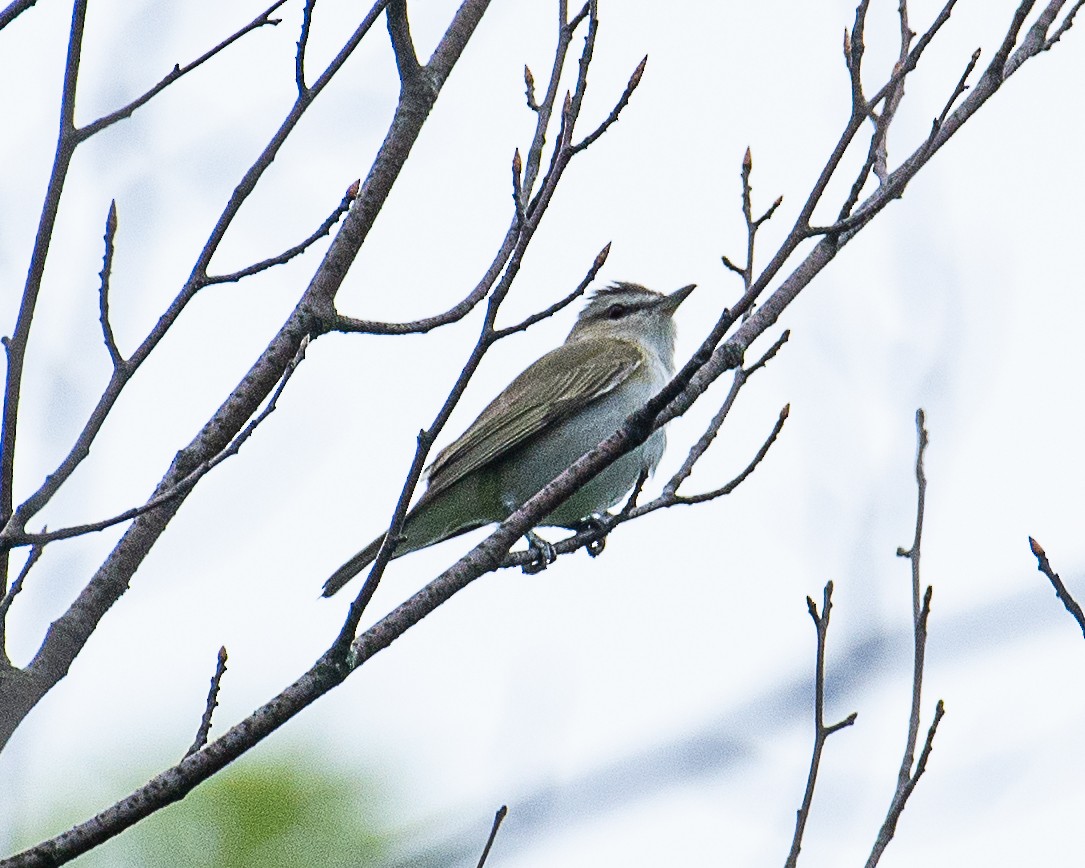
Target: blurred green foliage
x,y
268,812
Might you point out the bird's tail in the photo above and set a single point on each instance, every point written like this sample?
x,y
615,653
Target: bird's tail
x,y
433,519
352,567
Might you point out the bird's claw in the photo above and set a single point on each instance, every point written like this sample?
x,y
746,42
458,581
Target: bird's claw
x,y
542,553
599,523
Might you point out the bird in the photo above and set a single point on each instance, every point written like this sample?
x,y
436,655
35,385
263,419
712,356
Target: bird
x,y
619,354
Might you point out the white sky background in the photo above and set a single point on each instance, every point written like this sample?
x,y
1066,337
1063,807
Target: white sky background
x,y
652,706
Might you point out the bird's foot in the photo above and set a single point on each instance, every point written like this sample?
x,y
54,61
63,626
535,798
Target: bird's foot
x,y
542,553
600,523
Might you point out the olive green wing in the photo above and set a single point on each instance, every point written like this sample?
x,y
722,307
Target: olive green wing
x,y
554,387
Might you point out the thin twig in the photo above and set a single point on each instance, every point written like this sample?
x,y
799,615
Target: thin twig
x,y
962,86
821,731
178,489
324,229
212,703
597,264
498,818
303,44
907,778
612,118
17,586
742,375
1067,23
595,531
103,288
517,189
178,71
1044,566
724,490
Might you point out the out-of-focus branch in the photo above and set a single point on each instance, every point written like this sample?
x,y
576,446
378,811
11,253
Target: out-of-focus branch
x,y
907,778
1044,566
498,818
821,730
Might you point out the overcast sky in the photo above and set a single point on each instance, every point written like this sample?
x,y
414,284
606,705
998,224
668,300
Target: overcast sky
x,y
651,706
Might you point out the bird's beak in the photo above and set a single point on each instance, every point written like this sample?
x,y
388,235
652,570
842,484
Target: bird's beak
x,y
671,302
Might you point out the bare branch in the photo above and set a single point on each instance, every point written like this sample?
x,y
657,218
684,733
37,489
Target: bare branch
x,y
701,446
597,264
16,345
212,703
962,86
623,101
1066,24
69,633
13,10
921,607
821,731
1044,566
179,489
103,288
325,228
750,468
12,593
261,20
260,386
517,189
498,818
399,29
303,43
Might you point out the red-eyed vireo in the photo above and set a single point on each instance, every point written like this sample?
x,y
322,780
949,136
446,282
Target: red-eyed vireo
x,y
619,354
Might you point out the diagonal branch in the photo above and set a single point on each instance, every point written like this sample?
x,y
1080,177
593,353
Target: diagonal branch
x,y
178,72
548,312
1044,566
498,819
325,228
182,486
212,703
13,10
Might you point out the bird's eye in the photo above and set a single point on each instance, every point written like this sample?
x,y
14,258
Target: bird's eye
x,y
616,311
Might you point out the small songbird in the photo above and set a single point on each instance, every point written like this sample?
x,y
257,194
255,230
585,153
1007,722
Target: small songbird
x,y
619,354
